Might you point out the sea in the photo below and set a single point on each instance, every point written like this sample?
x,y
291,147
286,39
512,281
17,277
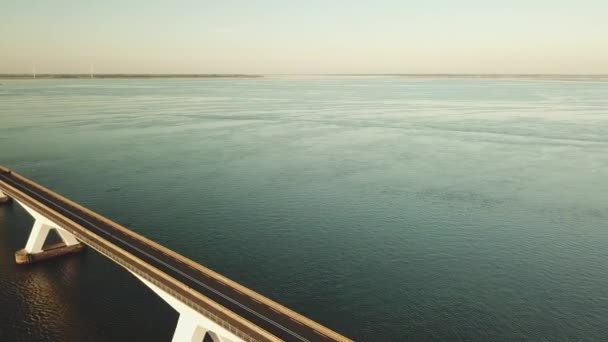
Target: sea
x,y
388,208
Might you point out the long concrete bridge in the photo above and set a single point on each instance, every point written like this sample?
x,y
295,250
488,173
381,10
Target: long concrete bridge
x,y
207,302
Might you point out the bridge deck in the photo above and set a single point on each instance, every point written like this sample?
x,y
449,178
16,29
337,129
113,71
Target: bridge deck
x,y
252,314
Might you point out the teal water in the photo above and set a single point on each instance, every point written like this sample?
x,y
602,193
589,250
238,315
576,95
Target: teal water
x,y
386,208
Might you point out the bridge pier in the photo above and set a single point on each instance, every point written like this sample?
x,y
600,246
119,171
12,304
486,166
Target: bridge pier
x,y
191,325
34,248
188,330
4,198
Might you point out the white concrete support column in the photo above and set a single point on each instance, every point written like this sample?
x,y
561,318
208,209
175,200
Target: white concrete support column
x,y
191,325
188,330
37,237
67,237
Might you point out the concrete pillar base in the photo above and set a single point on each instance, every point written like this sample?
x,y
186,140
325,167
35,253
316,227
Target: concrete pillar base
x,y
59,249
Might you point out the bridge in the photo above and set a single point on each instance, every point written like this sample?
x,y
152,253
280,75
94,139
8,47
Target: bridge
x,y
207,302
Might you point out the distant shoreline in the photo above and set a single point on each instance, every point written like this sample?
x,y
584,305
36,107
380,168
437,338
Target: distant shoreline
x,y
476,75
88,76
207,76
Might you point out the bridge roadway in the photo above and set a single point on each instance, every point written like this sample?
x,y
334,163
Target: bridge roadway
x,y
232,298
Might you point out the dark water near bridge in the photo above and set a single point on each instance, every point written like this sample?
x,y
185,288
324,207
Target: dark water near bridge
x,y
389,209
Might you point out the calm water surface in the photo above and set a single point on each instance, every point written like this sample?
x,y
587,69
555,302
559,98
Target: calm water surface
x,y
389,209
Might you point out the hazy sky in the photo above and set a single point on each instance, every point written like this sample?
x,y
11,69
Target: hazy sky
x,y
308,36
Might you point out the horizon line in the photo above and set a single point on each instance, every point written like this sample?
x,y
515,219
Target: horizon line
x,y
88,75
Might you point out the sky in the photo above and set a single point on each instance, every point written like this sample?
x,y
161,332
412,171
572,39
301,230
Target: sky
x,y
304,37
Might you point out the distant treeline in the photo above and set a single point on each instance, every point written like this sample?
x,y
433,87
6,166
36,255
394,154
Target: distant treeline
x,y
571,77
47,76
482,75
